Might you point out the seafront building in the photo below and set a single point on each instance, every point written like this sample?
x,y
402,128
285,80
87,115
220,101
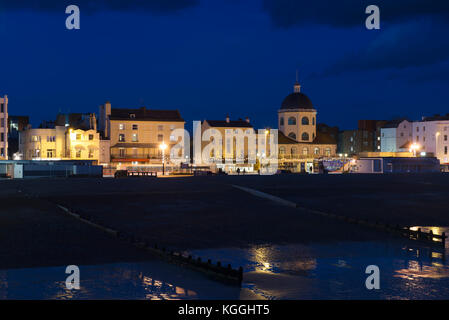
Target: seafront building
x,y
431,136
228,130
396,135
70,137
4,128
300,143
138,136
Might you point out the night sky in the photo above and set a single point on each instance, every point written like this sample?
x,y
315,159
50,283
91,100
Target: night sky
x,y
208,58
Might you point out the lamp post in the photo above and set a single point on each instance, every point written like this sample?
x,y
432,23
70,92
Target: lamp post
x,y
436,143
163,146
413,148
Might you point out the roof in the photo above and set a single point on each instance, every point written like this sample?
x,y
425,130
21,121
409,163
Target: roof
x,y
321,138
230,124
296,100
137,145
436,117
144,114
393,123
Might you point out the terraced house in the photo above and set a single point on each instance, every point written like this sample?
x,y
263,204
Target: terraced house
x,y
136,136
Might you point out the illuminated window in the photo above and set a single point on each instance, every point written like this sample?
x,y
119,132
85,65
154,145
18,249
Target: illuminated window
x,y
121,137
305,151
121,126
282,150
78,136
172,138
91,153
328,152
78,153
51,153
135,139
316,151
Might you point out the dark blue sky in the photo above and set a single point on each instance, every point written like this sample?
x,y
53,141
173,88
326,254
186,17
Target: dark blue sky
x,y
208,58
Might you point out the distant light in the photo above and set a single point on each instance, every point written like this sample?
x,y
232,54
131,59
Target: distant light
x,y
423,154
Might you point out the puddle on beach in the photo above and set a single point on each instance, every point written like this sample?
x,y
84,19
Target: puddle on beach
x,y
337,271
314,271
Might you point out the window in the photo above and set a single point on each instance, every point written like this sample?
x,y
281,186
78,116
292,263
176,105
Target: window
x,y
402,134
292,135
305,151
78,136
305,121
91,154
37,153
291,121
417,138
91,137
51,153
172,127
172,137
51,138
313,120
132,115
2,152
121,126
2,107
281,121
305,136
121,152
135,138
121,137
160,137
78,153
417,129
2,137
135,126
328,152
424,128
282,150
445,150
445,137
160,128
294,151
316,151
35,138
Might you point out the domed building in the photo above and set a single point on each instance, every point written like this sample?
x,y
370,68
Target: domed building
x,y
299,142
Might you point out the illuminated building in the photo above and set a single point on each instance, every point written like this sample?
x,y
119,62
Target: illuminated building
x,y
73,137
4,128
299,141
135,135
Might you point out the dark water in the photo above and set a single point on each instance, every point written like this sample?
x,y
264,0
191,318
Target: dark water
x,y
312,271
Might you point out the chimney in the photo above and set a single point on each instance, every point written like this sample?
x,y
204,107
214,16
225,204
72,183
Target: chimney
x,y
247,119
227,118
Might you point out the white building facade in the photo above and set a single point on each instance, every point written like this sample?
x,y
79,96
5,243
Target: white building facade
x,y
395,135
432,136
4,128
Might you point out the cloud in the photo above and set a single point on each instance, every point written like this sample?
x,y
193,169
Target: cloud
x,y
157,6
411,44
348,13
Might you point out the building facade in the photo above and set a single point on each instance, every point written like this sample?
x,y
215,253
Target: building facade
x,y
228,130
4,128
15,125
431,135
299,141
136,136
396,135
74,137
367,138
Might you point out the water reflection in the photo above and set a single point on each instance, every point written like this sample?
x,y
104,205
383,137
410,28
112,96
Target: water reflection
x,y
155,281
337,271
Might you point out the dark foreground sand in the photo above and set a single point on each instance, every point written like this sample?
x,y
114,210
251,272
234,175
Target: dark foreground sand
x,y
202,212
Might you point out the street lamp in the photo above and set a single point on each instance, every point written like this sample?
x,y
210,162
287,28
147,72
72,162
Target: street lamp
x,y
163,146
413,148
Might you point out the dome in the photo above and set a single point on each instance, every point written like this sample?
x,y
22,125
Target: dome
x,y
297,100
